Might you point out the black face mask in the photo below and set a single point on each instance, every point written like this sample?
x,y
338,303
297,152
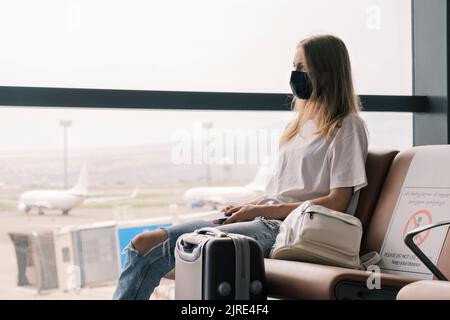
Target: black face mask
x,y
301,85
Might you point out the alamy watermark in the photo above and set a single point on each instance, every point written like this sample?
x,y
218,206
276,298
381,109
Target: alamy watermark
x,y
223,147
373,282
374,17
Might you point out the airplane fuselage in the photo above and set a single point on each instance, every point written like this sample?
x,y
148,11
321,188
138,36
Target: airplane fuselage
x,y
50,199
219,195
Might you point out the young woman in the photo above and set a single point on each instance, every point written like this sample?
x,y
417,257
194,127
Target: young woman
x,y
321,158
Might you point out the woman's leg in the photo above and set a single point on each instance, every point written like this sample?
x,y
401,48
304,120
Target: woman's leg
x,y
145,241
264,231
142,273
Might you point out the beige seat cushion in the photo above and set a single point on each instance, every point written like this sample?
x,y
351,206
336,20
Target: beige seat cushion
x,y
425,290
298,280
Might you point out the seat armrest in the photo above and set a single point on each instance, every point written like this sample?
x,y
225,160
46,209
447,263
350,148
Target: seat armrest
x,y
409,241
302,280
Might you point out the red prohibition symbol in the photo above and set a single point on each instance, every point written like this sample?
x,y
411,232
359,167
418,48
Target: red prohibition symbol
x,y
418,219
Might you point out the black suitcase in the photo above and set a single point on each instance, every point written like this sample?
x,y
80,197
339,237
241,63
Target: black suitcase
x,y
213,265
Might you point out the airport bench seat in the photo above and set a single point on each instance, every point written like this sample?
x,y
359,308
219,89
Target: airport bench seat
x,y
298,280
425,290
376,206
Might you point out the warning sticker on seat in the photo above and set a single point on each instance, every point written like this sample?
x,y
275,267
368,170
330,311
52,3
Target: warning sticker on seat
x,y
417,207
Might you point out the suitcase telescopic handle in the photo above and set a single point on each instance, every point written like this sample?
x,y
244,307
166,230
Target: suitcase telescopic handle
x,y
189,247
191,240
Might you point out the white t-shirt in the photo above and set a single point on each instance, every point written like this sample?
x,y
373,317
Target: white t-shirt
x,y
308,166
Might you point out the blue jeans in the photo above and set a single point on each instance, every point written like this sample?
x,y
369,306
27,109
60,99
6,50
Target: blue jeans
x,y
142,273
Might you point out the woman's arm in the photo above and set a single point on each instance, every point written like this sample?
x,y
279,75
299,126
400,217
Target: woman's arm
x,y
338,199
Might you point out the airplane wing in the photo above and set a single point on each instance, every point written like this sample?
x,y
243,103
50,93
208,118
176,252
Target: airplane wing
x,y
41,204
37,204
20,206
264,175
219,196
205,215
212,201
99,200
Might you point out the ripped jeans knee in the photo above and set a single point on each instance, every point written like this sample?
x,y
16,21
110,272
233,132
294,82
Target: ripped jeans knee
x,y
141,274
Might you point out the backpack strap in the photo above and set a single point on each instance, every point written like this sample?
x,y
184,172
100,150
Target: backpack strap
x,y
242,281
369,259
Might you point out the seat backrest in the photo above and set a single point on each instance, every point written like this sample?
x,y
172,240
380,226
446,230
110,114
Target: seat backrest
x,y
377,166
430,175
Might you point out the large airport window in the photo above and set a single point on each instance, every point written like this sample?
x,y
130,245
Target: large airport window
x,y
77,184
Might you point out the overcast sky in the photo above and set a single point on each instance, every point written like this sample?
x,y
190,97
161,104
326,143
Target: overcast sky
x,y
198,45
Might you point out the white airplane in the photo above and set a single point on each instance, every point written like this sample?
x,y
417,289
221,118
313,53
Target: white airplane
x,y
232,195
64,200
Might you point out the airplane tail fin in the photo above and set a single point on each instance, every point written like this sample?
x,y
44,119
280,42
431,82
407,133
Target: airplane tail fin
x,y
81,187
264,174
135,192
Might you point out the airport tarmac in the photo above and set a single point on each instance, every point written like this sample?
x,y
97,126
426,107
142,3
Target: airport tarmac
x,y
12,221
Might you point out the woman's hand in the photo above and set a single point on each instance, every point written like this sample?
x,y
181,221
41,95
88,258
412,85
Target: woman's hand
x,y
227,208
249,212
244,213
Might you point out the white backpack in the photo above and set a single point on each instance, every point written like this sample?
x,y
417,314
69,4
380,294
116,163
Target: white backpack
x,y
316,234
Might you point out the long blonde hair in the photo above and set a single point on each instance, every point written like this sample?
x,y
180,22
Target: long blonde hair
x,y
333,96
